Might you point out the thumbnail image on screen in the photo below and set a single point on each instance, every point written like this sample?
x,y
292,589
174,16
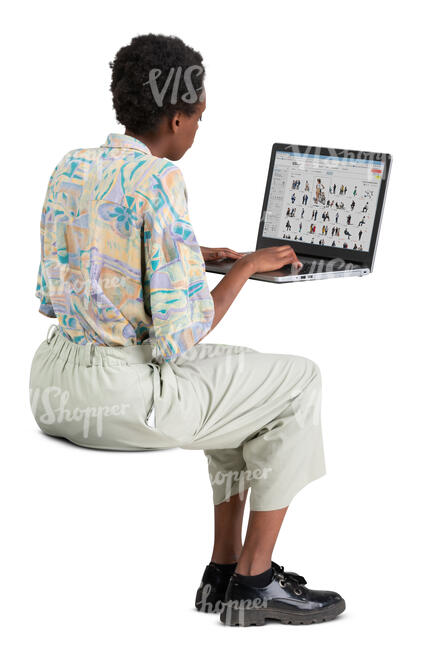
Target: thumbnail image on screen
x,y
325,200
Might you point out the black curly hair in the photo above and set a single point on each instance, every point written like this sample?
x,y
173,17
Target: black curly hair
x,y
134,100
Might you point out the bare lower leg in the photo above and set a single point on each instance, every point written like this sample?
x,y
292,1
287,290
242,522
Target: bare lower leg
x,y
228,517
261,535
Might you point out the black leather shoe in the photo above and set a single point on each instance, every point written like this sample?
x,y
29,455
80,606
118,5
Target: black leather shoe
x,y
285,599
210,595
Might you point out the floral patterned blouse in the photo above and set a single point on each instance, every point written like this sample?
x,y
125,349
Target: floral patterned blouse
x,y
120,262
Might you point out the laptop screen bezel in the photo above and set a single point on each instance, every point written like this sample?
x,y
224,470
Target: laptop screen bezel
x,y
365,258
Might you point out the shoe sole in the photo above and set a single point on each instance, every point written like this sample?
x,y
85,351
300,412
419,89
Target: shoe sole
x,y
244,617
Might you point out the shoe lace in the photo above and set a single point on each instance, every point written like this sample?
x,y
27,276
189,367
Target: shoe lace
x,y
288,576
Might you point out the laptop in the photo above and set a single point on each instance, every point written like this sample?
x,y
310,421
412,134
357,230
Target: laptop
x,y
325,203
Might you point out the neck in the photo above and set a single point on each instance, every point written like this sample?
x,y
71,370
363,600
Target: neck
x,y
155,143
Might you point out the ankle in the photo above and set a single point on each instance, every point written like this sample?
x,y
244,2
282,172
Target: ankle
x,y
226,554
249,566
224,558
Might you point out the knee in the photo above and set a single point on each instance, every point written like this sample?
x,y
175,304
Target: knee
x,y
314,369
308,370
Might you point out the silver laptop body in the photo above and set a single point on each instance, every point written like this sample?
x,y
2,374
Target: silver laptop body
x,y
325,203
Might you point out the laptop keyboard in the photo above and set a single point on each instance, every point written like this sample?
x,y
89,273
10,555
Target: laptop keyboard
x,y
315,266
306,268
320,266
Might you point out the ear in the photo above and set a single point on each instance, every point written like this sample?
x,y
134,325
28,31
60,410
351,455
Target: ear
x,y
175,122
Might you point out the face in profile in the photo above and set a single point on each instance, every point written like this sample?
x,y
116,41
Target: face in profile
x,y
184,130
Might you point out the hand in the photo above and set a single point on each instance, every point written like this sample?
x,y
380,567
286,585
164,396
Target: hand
x,y
265,259
214,254
272,258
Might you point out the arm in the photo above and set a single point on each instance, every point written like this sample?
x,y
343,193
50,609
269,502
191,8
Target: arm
x,y
42,293
176,293
262,260
228,288
47,239
183,309
212,254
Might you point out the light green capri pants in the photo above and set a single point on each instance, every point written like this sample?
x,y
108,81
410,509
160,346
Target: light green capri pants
x,y
256,415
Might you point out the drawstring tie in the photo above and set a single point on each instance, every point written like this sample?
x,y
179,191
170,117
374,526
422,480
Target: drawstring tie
x,y
89,354
151,415
53,328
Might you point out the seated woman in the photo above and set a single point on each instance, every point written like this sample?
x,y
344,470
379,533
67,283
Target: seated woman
x,y
122,272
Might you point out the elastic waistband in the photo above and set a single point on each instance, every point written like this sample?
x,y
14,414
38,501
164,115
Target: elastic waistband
x,y
90,354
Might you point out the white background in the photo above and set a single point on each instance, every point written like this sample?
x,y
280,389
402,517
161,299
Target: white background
x,y
105,550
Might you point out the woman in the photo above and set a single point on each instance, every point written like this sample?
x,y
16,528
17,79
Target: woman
x,y
319,190
123,273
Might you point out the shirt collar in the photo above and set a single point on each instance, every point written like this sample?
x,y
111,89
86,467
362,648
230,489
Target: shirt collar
x,y
120,140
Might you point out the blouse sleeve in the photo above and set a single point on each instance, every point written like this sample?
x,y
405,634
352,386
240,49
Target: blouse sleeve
x,y
42,292
42,287
176,289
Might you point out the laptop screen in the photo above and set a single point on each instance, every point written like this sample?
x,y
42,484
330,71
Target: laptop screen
x,y
325,200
